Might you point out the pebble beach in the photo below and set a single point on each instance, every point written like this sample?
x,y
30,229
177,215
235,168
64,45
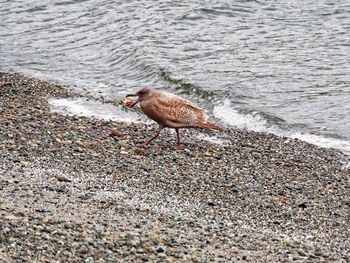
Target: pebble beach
x,y
73,190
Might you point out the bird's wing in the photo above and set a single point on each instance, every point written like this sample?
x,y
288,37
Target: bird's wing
x,y
177,109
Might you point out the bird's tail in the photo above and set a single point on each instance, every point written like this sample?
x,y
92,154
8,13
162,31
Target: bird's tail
x,y
208,125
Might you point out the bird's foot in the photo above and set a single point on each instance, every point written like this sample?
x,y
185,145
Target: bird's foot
x,y
115,133
177,146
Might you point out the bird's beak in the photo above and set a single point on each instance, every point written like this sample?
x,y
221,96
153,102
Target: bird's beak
x,y
138,99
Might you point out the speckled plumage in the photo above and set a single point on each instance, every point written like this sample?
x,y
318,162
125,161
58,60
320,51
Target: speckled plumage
x,y
172,111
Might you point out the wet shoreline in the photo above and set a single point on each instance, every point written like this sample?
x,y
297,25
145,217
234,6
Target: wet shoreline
x,y
70,189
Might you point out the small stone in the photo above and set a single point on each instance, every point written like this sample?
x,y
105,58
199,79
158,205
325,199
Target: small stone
x,y
63,179
302,205
160,250
83,250
140,151
75,245
30,193
10,217
19,213
79,143
68,226
123,144
302,253
12,148
88,239
89,260
234,189
162,255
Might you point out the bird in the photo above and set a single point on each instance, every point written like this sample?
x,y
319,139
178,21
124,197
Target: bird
x,y
170,111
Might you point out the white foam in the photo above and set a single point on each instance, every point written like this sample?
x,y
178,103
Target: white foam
x,y
232,117
94,109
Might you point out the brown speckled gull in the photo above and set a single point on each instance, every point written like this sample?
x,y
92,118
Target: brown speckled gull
x,y
172,111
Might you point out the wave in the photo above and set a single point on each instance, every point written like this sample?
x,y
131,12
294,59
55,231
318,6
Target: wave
x,y
255,122
186,88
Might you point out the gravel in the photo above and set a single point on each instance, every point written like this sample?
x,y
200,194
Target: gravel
x,y
70,192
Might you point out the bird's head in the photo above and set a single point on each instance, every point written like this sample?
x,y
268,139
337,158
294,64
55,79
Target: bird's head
x,y
142,94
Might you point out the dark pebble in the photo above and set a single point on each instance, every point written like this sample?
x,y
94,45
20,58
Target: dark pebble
x,y
160,250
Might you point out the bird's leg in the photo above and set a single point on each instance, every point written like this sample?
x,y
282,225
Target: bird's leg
x,y
178,138
161,127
